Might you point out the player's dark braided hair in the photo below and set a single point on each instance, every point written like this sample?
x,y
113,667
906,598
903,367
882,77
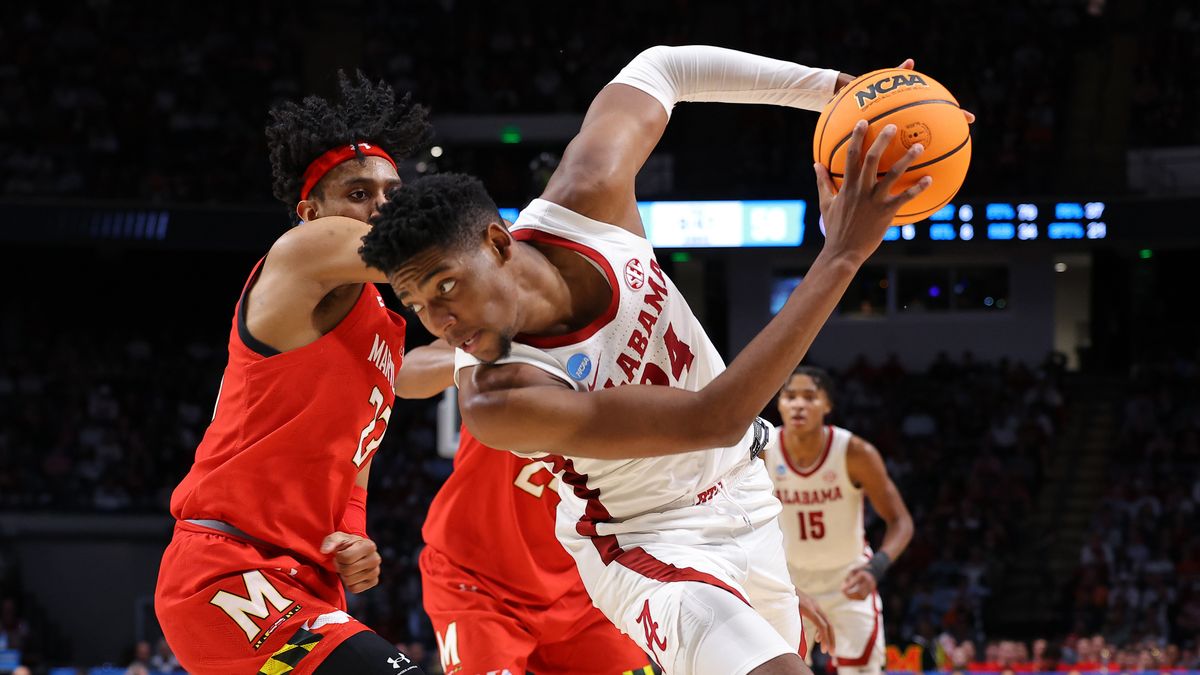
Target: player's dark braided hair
x,y
447,211
365,111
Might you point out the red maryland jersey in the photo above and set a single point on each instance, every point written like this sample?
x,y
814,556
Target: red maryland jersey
x,y
292,430
494,516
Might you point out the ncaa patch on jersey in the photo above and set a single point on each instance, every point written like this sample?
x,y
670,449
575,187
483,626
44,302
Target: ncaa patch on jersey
x,y
780,470
635,276
578,366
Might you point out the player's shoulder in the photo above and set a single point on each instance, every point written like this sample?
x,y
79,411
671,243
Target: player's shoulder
x,y
323,252
309,239
863,458
523,367
493,378
562,216
857,445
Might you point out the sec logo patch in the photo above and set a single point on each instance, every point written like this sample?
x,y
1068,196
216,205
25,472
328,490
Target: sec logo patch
x,y
635,276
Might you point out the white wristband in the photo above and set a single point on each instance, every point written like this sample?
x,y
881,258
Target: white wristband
x,y
713,74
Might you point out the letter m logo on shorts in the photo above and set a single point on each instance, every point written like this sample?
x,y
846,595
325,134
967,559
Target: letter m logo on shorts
x,y
259,592
448,647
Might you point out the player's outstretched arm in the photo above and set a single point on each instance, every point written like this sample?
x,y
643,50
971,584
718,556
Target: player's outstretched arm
x,y
426,371
509,412
302,267
626,120
524,409
324,252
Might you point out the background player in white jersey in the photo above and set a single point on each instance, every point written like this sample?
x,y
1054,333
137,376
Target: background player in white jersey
x,y
571,304
821,474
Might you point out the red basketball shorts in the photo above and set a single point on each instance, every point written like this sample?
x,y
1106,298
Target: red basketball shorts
x,y
226,606
478,631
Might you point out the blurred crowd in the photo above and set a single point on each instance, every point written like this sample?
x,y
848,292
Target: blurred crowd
x,y
108,100
1071,654
1139,571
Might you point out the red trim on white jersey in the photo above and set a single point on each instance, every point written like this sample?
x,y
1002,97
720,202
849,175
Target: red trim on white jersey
x,y
820,460
638,560
551,342
635,559
865,657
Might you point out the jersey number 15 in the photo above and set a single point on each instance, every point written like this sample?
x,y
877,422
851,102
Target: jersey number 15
x,y
812,525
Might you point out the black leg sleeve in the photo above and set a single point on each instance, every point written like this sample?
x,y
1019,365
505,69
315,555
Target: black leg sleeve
x,y
367,654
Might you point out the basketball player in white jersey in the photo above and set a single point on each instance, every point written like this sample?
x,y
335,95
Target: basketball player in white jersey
x,y
667,513
821,474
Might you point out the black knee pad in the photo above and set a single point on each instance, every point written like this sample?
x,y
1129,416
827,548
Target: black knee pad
x,y
366,653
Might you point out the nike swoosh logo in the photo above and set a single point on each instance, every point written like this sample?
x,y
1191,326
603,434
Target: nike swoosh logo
x,y
592,386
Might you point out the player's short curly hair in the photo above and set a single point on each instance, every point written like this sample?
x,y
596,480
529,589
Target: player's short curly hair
x,y
447,211
365,111
820,377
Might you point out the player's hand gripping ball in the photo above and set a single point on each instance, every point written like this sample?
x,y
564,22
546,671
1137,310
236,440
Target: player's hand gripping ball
x,y
923,111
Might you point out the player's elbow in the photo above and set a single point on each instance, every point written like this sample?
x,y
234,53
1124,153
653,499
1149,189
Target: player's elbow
x,y
731,435
653,58
479,413
902,523
718,428
415,388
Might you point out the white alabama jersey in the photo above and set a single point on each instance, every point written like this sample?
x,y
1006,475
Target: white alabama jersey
x,y
647,335
822,517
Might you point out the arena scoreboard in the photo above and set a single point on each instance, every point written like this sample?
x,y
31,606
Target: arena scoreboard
x,y
1007,221
719,224
767,223
670,225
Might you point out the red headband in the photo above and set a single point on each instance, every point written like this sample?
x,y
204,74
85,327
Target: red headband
x,y
331,158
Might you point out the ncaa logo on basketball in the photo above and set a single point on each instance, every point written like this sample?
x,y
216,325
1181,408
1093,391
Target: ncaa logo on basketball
x,y
886,85
635,276
578,367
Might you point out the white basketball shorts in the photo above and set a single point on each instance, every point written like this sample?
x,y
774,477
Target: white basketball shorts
x,y
857,624
702,586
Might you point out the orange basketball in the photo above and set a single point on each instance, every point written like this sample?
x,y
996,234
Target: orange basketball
x,y
923,111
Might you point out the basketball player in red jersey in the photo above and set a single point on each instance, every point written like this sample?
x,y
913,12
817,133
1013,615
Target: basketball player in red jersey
x,y
502,594
500,590
271,519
